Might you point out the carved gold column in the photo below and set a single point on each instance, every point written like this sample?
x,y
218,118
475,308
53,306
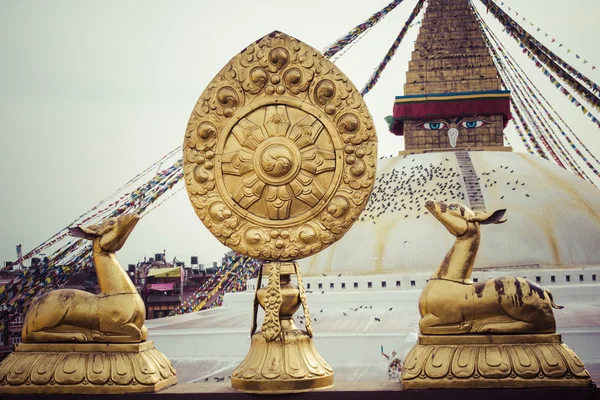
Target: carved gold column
x,y
279,160
282,358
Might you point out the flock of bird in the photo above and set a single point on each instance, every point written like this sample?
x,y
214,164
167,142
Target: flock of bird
x,y
404,190
300,317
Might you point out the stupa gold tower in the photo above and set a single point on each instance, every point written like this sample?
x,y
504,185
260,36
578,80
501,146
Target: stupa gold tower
x,y
452,95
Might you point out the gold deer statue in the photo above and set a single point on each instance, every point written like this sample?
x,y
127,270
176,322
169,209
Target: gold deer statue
x,y
495,334
115,315
451,303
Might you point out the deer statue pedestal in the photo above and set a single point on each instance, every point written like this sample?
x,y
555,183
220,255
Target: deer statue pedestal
x,y
78,342
488,361
493,334
87,368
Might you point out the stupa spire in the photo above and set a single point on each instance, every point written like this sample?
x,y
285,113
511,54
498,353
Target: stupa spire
x,y
452,96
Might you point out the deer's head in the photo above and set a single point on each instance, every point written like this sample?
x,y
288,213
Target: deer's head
x,y
457,218
110,234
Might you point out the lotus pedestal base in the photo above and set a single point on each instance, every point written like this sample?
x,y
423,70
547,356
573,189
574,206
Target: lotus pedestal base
x,y
492,361
85,368
289,364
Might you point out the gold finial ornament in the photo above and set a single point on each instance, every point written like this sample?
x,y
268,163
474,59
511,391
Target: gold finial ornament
x,y
498,333
78,342
279,160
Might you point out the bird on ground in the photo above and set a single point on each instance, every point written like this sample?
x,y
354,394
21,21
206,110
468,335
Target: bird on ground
x,y
345,315
391,308
377,319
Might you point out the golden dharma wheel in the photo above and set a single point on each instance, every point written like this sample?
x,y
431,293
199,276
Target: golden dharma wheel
x,y
280,151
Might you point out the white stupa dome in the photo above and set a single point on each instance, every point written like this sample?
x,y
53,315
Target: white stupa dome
x,y
553,215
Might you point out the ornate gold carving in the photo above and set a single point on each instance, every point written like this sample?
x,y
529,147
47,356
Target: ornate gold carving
x,y
304,301
451,303
272,303
278,135
111,358
256,303
290,363
279,161
523,350
486,361
85,368
115,315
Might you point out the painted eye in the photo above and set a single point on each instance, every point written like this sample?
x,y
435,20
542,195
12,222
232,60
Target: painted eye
x,y
473,124
434,126
452,207
112,222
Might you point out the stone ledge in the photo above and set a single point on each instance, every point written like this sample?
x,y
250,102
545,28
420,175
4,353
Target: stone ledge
x,y
344,390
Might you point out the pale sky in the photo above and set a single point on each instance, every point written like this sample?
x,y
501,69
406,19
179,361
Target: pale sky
x,y
93,92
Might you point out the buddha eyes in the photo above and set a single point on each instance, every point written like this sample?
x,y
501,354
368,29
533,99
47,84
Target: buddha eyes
x,y
473,124
434,126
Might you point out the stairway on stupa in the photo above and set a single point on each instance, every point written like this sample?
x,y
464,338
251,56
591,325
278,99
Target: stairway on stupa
x,y
472,186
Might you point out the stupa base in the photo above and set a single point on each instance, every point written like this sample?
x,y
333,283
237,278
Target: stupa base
x,y
289,364
492,361
85,368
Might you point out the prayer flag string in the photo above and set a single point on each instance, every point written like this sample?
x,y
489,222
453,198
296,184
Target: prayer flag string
x,y
553,39
230,278
532,101
545,56
358,30
392,51
518,94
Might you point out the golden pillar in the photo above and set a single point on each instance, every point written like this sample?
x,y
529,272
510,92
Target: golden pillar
x,y
493,334
78,342
279,161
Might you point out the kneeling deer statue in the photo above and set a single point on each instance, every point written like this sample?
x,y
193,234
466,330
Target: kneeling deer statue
x,y
452,304
115,315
